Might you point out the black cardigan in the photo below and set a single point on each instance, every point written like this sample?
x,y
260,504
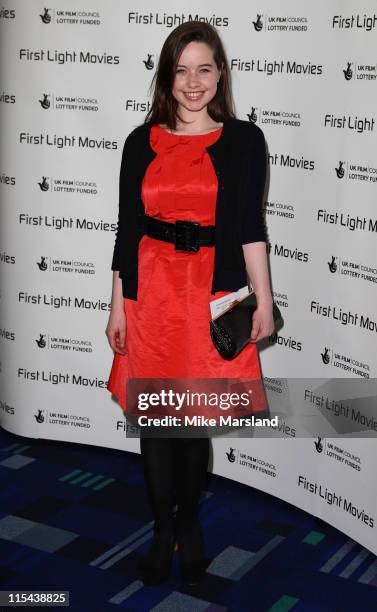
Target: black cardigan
x,y
239,157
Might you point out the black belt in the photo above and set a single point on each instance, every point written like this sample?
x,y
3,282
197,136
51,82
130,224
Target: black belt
x,y
186,235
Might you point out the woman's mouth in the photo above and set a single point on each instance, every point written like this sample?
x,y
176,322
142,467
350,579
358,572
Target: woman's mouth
x,y
193,95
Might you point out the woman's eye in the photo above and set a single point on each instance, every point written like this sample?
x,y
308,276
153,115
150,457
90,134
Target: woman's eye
x,y
180,70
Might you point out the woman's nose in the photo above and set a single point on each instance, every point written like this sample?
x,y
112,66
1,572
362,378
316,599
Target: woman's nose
x,y
193,80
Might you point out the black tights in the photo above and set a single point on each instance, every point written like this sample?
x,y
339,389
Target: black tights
x,y
174,464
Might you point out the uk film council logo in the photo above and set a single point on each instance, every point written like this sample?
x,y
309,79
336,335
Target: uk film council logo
x,y
231,456
42,265
333,266
348,72
43,184
326,356
279,23
340,172
331,356
318,445
71,17
41,342
360,71
252,116
356,171
46,17
70,103
45,103
258,23
149,63
40,417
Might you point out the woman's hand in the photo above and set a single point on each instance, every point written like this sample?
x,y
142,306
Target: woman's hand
x,y
116,331
263,322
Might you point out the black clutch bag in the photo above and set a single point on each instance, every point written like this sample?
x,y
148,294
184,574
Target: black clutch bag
x,y
230,331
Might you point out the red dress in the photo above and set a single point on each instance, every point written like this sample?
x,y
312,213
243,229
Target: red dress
x,y
168,326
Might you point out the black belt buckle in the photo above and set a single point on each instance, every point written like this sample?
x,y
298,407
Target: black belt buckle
x,y
187,236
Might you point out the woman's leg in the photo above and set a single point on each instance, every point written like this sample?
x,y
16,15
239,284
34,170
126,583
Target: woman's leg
x,y
157,460
191,462
158,465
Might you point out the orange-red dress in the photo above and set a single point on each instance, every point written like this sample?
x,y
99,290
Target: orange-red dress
x,y
168,326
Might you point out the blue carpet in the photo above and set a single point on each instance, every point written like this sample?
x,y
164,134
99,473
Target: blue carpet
x,y
76,518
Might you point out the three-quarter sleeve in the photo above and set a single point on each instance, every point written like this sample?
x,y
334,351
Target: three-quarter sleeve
x,y
252,224
120,230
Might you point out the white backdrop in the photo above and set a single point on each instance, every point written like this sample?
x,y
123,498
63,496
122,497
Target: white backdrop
x,y
74,83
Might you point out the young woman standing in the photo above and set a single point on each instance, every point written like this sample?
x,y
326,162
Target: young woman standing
x,y
190,161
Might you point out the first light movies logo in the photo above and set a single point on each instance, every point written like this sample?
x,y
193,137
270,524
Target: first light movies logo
x,y
355,22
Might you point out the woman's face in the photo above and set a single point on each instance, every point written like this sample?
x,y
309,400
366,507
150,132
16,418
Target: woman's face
x,y
196,77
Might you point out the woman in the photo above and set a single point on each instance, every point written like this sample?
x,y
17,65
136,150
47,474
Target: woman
x,y
191,160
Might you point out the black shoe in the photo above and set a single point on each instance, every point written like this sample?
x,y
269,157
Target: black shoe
x,y
193,562
155,566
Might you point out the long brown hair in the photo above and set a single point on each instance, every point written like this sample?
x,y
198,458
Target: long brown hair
x,y
164,106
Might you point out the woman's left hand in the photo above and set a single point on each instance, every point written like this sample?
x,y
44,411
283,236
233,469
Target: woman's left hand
x,y
263,322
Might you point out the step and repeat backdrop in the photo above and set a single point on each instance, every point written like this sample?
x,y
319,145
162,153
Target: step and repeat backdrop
x,y
75,81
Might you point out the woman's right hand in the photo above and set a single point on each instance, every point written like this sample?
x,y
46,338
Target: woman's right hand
x,y
116,331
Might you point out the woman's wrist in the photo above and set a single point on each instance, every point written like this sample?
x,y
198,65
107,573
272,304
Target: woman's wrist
x,y
117,293
264,298
116,305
